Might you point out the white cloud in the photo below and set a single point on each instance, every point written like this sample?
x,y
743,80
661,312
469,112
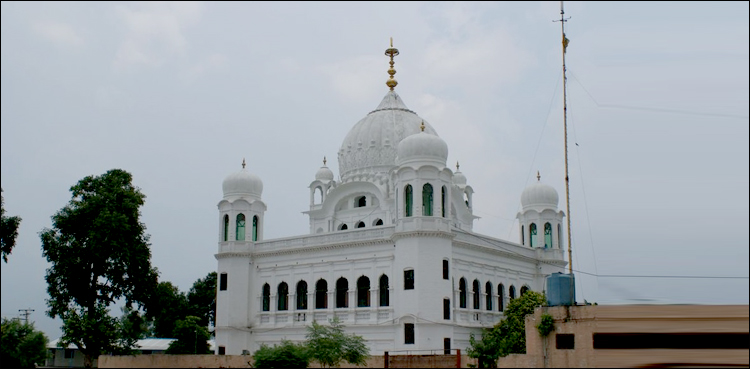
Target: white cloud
x,y
60,33
155,31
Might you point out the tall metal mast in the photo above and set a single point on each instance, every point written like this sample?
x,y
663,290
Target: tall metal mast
x,y
565,128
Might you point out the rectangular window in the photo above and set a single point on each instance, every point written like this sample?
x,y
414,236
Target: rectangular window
x,y
446,346
409,333
446,309
409,279
222,350
69,353
223,282
685,341
445,269
564,341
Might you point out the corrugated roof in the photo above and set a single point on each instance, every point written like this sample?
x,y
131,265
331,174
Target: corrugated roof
x,y
154,344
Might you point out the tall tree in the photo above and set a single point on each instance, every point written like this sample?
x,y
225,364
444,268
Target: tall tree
x,y
202,300
508,336
168,305
22,346
8,229
99,253
191,337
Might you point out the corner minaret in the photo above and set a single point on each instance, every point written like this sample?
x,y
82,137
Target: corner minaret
x,y
540,221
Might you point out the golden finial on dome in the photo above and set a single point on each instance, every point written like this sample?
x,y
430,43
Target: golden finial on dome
x,y
243,163
422,126
324,161
538,177
456,165
391,51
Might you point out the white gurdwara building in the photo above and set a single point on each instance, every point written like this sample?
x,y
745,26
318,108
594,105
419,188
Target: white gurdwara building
x,y
391,251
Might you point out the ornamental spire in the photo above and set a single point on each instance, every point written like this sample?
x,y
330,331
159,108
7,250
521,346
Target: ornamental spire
x,y
243,163
456,165
538,177
324,161
422,126
391,51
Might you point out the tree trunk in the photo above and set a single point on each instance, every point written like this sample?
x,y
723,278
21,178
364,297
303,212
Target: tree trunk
x,y
88,361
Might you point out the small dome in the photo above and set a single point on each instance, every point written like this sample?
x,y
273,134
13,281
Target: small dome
x,y
242,183
459,178
422,146
324,174
539,195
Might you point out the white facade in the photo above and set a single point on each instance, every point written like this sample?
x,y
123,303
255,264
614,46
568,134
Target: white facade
x,y
397,263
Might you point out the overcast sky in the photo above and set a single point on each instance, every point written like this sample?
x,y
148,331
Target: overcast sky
x,y
179,93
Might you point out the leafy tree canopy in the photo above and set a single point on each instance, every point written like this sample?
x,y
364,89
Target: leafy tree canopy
x,y
99,253
8,230
329,345
201,300
22,346
509,335
286,355
191,337
168,305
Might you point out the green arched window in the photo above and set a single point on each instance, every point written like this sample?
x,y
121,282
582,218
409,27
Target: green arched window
x,y
407,201
532,234
559,236
255,228
427,199
266,297
240,227
226,227
523,236
547,235
462,293
383,290
283,296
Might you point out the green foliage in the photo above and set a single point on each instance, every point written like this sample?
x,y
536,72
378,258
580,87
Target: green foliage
x,y
8,230
22,346
168,305
508,336
546,325
201,299
286,355
191,337
99,253
329,345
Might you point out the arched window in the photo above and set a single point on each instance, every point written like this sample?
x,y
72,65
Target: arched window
x,y
283,296
240,227
302,295
361,225
488,291
427,199
226,227
547,235
512,292
477,290
462,293
318,195
532,234
343,227
321,294
378,222
443,203
360,202
407,201
500,297
524,289
266,297
363,292
383,290
559,236
255,227
342,293
523,236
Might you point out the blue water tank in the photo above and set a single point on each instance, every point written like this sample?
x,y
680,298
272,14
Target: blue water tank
x,y
561,289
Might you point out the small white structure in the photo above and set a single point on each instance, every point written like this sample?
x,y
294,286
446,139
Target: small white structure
x,y
391,251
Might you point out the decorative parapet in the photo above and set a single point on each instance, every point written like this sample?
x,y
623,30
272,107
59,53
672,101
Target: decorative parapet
x,y
326,241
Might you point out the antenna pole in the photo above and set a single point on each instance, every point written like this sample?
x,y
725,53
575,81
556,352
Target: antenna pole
x,y
26,313
565,129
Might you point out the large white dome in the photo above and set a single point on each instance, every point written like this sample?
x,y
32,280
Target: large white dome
x,y
371,145
242,183
539,195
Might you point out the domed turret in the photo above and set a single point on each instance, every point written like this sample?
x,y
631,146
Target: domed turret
x,y
242,183
324,174
422,147
539,195
459,179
